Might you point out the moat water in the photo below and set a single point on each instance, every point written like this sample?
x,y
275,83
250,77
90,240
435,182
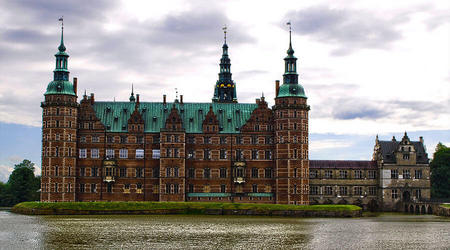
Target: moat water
x,y
386,231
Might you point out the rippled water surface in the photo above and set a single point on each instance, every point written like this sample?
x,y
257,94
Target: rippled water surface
x,y
387,231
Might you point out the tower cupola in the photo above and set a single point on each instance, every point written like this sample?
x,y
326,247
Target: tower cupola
x,y
61,83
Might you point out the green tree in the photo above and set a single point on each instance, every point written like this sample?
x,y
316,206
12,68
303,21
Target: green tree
x,y
22,184
440,172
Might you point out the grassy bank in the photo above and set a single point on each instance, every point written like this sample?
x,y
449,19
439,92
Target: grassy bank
x,y
185,208
447,205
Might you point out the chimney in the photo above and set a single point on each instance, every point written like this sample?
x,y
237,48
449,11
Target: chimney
x,y
277,87
181,99
75,85
137,98
164,99
421,139
92,98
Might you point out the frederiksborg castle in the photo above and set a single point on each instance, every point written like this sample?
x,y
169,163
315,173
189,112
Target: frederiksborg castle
x,y
219,151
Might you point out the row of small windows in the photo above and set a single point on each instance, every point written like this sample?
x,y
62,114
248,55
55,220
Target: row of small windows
x,y
225,140
343,190
295,126
57,171
123,172
292,114
292,139
406,174
123,153
58,111
342,174
223,188
58,137
396,195
58,124
239,154
223,173
58,152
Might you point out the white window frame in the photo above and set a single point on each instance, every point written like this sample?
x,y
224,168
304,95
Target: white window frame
x,y
156,153
109,153
123,153
139,153
82,153
94,153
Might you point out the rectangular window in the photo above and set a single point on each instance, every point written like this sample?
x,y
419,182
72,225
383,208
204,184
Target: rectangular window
x,y
56,188
122,172
140,139
328,190
314,190
190,154
93,188
268,155
343,174
82,171
190,140
328,174
190,188
176,188
126,188
139,154
254,154
418,194
139,172
82,188
207,140
206,173
406,157
254,173
110,139
406,174
223,173
343,191
206,154
313,174
156,154
372,190
238,140
94,172
372,174
268,188
268,173
394,194
156,189
83,153
176,171
82,139
223,140
109,153
394,174
358,174
357,190
418,174
223,188
223,153
156,139
123,153
155,172
95,139
94,153
255,188
123,139
191,173
109,188
168,172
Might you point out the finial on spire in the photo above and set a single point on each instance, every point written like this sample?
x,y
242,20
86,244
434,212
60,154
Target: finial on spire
x,y
290,30
132,99
132,89
176,94
225,33
61,47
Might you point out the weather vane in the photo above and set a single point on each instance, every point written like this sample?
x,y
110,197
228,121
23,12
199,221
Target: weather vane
x,y
61,19
225,32
289,24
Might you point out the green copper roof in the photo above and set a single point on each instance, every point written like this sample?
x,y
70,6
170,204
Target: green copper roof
x,y
115,115
291,90
60,88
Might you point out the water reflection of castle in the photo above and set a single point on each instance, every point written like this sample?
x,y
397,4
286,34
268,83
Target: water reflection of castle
x,y
218,151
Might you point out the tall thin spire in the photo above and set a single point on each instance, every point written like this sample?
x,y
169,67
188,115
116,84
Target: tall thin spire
x,y
61,47
225,33
132,99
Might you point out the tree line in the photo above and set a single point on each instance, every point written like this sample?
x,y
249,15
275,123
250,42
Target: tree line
x,y
22,185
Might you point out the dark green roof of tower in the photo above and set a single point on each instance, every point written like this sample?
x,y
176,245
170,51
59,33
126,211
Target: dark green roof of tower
x,y
291,90
115,115
60,88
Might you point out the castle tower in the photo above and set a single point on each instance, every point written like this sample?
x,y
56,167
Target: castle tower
x,y
59,132
291,135
225,89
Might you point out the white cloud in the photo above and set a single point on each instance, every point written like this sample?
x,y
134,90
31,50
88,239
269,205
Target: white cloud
x,y
318,145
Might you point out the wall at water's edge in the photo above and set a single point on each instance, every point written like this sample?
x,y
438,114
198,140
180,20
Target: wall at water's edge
x,y
443,211
287,213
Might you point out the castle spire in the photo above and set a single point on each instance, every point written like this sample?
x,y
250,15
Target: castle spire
x,y
132,99
61,47
290,62
225,89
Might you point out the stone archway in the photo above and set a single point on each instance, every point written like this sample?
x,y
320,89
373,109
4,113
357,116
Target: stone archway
x,y
411,209
430,210
342,202
406,208
406,196
417,209
423,210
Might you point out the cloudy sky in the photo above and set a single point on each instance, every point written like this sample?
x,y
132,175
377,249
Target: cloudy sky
x,y
368,67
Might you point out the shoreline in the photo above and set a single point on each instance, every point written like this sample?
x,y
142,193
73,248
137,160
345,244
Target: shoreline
x,y
193,208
